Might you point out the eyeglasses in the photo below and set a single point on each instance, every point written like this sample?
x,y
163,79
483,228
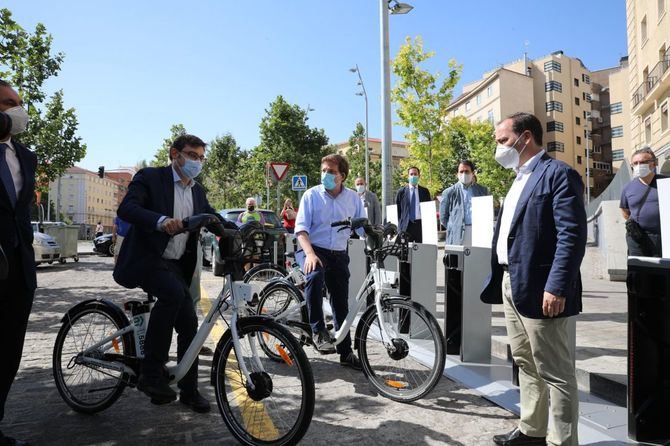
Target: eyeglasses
x,y
637,163
194,156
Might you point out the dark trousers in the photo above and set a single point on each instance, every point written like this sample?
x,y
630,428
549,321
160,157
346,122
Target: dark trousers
x,y
649,246
16,300
335,276
173,310
414,230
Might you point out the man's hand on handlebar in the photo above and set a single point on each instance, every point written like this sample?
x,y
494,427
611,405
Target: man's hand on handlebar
x,y
172,226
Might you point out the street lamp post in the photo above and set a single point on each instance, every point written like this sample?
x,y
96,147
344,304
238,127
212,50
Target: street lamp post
x,y
387,161
364,93
587,136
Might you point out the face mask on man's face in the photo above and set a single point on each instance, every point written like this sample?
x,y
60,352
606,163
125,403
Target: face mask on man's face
x,y
465,178
413,180
360,188
251,208
642,170
19,118
507,156
191,168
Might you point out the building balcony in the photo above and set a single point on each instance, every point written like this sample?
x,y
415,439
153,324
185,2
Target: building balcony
x,y
654,84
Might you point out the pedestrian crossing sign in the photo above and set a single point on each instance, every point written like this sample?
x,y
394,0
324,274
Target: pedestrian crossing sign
x,y
299,182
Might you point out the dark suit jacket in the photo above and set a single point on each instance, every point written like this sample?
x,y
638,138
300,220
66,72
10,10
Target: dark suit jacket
x,y
15,227
402,201
151,196
546,242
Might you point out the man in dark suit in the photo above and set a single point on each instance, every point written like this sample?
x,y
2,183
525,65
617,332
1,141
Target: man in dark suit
x,y
160,261
17,287
407,200
538,246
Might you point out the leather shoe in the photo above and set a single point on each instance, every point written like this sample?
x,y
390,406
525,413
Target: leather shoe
x,y
195,401
518,438
9,441
351,360
159,391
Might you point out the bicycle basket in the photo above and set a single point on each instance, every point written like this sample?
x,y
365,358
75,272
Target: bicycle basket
x,y
230,245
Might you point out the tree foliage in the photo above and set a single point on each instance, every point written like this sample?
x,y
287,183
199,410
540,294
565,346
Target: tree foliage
x,y
356,158
220,174
162,155
422,100
27,61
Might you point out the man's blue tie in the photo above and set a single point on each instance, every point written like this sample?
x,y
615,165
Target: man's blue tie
x,y
412,204
6,175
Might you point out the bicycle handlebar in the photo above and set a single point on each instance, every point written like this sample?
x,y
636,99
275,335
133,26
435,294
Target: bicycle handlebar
x,y
341,223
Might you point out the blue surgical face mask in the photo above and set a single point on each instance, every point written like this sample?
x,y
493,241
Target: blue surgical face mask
x,y
413,180
190,169
328,180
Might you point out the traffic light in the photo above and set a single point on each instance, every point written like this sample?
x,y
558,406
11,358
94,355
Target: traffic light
x,y
101,171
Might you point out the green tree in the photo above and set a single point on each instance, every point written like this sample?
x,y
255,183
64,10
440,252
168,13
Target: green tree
x,y
356,158
220,173
27,61
162,155
285,136
422,101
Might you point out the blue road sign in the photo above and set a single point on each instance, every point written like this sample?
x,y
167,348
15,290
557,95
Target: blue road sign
x,y
299,182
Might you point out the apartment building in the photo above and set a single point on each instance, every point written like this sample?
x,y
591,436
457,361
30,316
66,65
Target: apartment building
x,y
648,29
123,176
556,88
399,150
84,197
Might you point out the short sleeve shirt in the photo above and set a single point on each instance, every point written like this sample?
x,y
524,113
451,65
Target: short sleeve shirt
x,y
647,213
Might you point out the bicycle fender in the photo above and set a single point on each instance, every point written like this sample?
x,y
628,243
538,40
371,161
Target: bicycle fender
x,y
371,309
118,312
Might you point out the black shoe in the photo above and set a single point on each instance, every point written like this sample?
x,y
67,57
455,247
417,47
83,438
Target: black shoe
x,y
9,441
195,401
518,438
159,391
323,342
351,360
205,351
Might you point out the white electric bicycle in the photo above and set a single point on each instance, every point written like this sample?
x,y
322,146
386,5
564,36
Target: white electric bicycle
x,y
262,401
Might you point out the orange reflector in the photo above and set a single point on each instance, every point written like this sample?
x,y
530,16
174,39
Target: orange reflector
x,y
266,337
115,344
287,359
395,384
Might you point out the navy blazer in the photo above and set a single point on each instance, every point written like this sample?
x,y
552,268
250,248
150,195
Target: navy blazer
x,y
15,227
402,201
151,196
546,242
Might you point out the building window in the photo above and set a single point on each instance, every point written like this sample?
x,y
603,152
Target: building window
x,y
647,130
576,82
602,166
489,91
554,126
587,134
554,106
555,146
578,121
479,99
579,140
597,149
586,78
615,108
586,96
617,155
553,86
664,117
579,159
643,30
490,116
576,101
467,106
552,65
617,132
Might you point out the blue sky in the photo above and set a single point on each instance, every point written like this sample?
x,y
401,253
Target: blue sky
x,y
132,69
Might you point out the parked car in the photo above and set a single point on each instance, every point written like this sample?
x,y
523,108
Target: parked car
x,y
273,227
103,245
47,250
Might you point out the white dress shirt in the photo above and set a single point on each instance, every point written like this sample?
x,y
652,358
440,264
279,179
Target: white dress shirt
x,y
509,205
14,166
183,207
417,202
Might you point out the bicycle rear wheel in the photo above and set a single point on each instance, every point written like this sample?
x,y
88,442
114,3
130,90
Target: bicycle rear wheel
x,y
408,365
260,275
279,408
85,387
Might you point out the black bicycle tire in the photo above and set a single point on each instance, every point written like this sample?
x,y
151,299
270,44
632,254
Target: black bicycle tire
x,y
307,410
436,335
90,307
263,267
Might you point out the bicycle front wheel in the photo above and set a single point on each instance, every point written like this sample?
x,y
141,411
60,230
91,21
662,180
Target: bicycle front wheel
x,y
87,386
275,407
402,350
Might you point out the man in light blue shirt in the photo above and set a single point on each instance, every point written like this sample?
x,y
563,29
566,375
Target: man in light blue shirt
x,y
325,260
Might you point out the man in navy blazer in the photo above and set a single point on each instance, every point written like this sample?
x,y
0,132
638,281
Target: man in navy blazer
x,y
17,286
538,245
407,200
160,261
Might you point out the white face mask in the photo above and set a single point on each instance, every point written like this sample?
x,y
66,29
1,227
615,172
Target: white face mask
x,y
360,188
508,157
19,118
465,178
641,170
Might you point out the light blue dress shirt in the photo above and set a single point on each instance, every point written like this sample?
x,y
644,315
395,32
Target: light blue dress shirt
x,y
318,209
467,199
